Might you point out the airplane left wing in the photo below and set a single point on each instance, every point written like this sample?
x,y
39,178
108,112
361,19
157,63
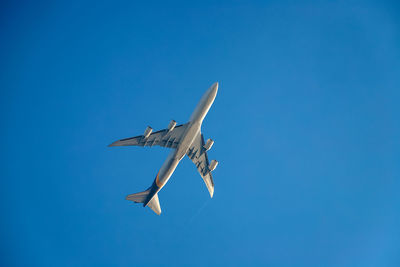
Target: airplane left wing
x,y
198,154
165,138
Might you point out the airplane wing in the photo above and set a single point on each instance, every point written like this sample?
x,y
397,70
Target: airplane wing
x,y
198,154
164,138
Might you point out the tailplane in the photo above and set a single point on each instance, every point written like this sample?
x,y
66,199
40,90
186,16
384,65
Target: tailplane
x,y
141,197
154,204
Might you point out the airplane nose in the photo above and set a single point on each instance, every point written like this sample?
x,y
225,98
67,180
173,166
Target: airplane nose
x,y
212,91
214,88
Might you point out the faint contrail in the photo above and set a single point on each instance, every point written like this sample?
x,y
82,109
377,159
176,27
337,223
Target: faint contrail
x,y
199,210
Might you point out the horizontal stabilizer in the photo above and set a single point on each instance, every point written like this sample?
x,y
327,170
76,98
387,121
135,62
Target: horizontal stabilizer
x,y
154,204
141,197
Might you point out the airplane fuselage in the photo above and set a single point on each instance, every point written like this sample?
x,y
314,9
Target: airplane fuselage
x,y
189,135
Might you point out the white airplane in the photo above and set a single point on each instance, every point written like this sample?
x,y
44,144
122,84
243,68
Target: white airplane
x,y
185,139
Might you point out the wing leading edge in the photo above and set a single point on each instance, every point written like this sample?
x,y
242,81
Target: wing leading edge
x,y
164,138
198,154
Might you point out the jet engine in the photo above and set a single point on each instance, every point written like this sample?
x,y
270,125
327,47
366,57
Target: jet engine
x,y
171,125
208,144
147,132
213,165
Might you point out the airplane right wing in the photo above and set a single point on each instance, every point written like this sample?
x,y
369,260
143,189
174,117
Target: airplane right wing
x,y
198,154
165,138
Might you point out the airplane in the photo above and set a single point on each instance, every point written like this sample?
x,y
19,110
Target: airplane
x,y
184,139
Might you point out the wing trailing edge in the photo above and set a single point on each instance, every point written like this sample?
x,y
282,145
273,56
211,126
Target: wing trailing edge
x,y
198,154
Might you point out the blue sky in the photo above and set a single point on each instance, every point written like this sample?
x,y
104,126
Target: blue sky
x,y
305,123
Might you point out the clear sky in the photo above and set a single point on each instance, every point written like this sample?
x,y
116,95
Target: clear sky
x,y
306,128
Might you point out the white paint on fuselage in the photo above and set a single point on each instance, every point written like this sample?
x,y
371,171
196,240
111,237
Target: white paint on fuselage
x,y
169,166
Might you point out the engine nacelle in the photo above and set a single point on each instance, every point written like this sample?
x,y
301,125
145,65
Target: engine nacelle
x,y
147,132
171,125
213,165
208,144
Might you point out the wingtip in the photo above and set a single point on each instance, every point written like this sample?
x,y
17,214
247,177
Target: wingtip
x,y
211,192
113,144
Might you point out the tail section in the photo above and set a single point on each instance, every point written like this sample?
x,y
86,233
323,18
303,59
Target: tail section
x,y
142,197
